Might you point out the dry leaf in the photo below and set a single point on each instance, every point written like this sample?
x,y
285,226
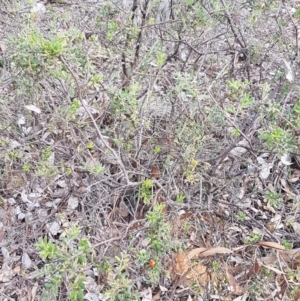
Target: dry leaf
x,y
189,272
6,276
270,208
270,244
274,270
286,159
214,251
286,188
14,144
91,297
276,219
146,294
265,170
72,203
54,228
204,252
26,261
289,71
163,289
21,120
33,108
257,231
123,209
38,9
24,196
60,193
234,287
5,252
271,227
34,291
156,297
155,172
269,259
195,252
61,183
253,270
238,151
290,257
296,227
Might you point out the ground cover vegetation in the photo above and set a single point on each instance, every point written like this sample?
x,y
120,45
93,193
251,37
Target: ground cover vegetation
x,y
149,150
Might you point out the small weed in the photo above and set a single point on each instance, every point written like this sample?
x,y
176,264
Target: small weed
x,y
186,226
273,199
120,286
190,172
180,197
161,57
13,155
47,153
143,257
90,145
241,216
155,216
235,132
46,169
215,266
254,288
196,287
159,243
32,50
95,81
157,149
104,267
112,28
297,14
253,238
246,100
72,111
278,139
146,191
235,86
64,259
97,169
26,166
288,245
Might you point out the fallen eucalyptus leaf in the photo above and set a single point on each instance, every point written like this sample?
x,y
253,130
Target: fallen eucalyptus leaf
x,y
33,108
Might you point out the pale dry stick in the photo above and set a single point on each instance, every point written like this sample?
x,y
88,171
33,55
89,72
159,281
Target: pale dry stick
x,y
118,159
